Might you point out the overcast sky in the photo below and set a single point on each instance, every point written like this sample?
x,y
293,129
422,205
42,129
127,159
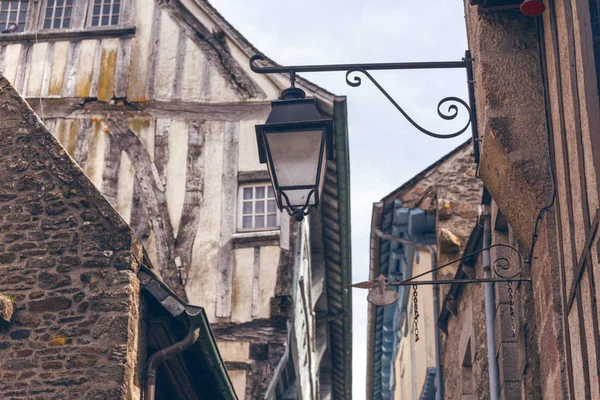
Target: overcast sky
x,y
385,150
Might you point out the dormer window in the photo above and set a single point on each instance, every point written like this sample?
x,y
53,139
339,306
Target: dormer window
x,y
105,12
12,15
58,14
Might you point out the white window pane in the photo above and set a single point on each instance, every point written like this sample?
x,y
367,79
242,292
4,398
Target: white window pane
x,y
259,221
271,220
257,208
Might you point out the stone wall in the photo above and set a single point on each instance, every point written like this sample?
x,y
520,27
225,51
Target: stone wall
x,y
68,262
514,123
464,330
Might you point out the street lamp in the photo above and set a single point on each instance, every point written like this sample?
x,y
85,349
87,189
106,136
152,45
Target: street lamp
x,y
295,143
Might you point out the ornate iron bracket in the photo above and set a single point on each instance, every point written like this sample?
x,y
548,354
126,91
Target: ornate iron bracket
x,y
453,103
502,267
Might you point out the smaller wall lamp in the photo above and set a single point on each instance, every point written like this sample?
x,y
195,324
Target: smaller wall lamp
x,y
295,142
533,8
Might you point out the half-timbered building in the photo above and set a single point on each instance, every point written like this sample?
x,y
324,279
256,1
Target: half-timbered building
x,y
157,104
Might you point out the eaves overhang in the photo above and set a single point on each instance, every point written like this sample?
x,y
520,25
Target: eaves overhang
x,y
335,211
203,360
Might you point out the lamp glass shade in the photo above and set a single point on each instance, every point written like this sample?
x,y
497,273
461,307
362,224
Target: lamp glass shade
x,y
297,161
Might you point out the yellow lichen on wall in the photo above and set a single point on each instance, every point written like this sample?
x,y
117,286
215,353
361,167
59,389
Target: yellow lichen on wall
x,y
66,133
140,52
108,64
59,63
86,67
70,138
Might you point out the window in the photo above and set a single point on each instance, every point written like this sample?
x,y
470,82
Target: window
x,y
58,14
256,207
106,12
12,15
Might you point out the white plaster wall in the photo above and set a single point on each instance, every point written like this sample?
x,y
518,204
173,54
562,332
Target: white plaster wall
x,y
140,53
176,170
11,61
36,69
415,368
57,68
248,151
125,188
202,284
167,54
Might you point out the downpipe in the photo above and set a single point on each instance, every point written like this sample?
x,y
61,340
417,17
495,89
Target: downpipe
x,y
490,304
165,354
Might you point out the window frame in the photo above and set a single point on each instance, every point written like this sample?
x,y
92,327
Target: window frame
x,y
28,13
90,14
240,210
41,16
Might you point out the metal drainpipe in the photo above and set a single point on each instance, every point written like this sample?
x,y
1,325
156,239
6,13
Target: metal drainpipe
x,y
165,354
439,375
490,304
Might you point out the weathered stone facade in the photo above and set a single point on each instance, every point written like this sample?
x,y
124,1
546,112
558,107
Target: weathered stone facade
x,y
463,320
536,85
69,263
448,194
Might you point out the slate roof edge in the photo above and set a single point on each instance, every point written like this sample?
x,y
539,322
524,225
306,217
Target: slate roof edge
x,y
340,116
195,315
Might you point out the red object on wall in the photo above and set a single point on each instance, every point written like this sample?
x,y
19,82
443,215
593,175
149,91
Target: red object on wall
x,y
533,8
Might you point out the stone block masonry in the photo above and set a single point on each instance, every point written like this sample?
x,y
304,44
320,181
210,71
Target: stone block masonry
x,y
69,263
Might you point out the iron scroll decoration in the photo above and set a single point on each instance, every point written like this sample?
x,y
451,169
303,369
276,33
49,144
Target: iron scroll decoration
x,y
504,270
451,113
